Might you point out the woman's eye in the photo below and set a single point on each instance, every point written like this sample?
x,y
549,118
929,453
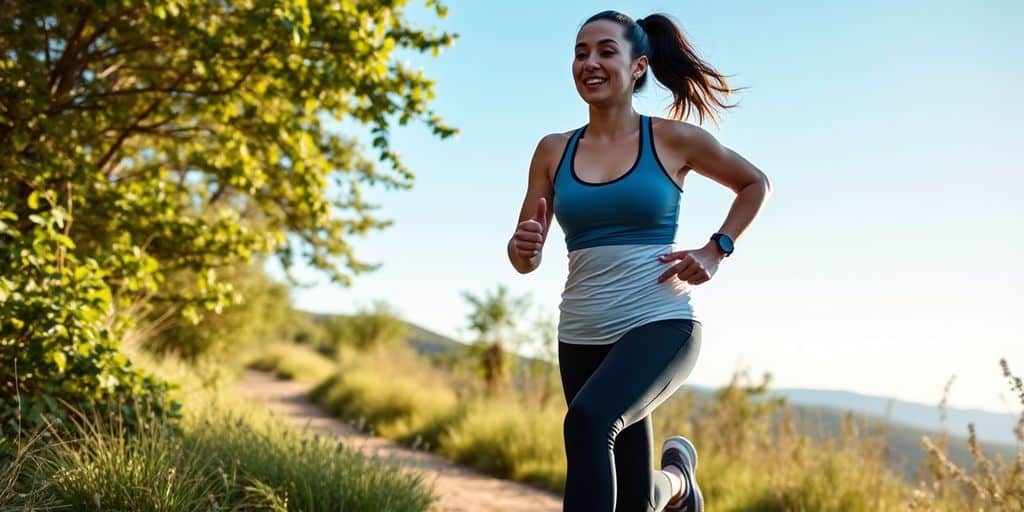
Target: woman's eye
x,y
581,56
607,53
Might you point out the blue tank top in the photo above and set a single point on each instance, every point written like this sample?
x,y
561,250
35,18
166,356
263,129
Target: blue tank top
x,y
639,207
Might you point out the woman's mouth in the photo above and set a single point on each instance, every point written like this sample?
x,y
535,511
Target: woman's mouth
x,y
594,82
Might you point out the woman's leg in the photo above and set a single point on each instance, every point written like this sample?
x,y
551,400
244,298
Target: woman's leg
x,y
633,449
627,380
633,458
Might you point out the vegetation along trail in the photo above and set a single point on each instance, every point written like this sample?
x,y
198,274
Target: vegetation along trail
x,y
459,489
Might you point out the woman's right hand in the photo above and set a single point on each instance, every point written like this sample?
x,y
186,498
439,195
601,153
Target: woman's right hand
x,y
529,237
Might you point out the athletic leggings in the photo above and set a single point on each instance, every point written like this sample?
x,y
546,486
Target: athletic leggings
x,y
611,390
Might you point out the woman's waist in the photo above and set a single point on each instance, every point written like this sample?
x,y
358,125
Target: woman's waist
x,y
617,267
595,310
640,287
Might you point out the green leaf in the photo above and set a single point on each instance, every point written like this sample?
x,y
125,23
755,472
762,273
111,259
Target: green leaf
x,y
60,360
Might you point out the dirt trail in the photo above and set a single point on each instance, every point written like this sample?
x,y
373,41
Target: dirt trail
x,y
459,489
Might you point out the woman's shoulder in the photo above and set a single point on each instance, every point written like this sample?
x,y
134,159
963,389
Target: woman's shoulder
x,y
549,153
557,138
552,145
678,132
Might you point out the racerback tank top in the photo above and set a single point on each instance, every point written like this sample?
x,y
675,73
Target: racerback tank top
x,y
641,206
613,232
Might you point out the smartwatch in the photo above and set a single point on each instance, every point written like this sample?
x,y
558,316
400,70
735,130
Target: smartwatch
x,y
724,243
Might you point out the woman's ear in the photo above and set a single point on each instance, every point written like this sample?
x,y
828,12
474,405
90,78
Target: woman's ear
x,y
640,67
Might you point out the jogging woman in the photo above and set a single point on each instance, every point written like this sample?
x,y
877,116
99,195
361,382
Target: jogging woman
x,y
629,332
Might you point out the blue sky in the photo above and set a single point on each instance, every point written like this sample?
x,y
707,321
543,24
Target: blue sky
x,y
889,255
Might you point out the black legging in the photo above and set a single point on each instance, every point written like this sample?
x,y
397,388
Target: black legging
x,y
611,390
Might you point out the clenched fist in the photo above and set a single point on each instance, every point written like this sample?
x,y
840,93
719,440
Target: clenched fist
x,y
530,233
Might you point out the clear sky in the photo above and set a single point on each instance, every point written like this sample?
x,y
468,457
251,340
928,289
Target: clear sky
x,y
889,256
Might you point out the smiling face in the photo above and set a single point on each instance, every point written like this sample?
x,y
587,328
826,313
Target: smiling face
x,y
603,67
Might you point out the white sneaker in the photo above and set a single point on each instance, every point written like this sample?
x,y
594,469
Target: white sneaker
x,y
679,451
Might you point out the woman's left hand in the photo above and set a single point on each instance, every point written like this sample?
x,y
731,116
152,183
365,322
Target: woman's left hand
x,y
695,266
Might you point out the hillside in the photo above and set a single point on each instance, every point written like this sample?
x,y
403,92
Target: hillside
x,y
822,411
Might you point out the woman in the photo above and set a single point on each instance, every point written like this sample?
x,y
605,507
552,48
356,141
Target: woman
x,y
628,331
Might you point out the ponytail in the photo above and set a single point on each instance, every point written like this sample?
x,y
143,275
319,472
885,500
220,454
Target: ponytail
x,y
696,86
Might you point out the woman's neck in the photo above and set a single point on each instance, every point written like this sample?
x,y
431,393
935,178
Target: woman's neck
x,y
613,122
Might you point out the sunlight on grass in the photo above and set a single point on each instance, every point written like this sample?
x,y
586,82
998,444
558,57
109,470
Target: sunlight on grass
x,y
227,454
755,455
510,441
291,361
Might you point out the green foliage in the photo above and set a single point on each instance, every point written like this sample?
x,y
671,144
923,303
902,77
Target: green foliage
x,y
58,340
148,150
261,312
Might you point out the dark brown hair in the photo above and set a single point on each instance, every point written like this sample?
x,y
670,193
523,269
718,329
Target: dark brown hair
x,y
695,85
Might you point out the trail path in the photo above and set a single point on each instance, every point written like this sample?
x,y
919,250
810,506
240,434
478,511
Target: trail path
x,y
459,489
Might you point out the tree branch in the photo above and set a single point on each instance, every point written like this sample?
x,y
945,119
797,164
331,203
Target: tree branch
x,y
62,71
130,129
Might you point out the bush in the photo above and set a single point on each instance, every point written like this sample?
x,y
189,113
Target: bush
x,y
509,440
292,361
393,392
58,342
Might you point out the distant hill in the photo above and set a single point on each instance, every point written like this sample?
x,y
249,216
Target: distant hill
x,y
429,343
990,427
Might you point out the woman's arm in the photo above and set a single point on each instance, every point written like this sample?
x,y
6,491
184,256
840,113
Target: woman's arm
x,y
705,155
698,150
526,245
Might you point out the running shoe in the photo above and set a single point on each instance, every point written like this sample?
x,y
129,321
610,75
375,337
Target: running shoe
x,y
680,452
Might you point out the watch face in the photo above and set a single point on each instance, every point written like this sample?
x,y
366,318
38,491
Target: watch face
x,y
725,243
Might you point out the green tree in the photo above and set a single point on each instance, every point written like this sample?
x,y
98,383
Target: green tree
x,y
494,319
141,142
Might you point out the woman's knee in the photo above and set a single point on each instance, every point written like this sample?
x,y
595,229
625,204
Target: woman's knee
x,y
588,422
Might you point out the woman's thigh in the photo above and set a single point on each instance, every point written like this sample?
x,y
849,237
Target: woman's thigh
x,y
637,373
577,363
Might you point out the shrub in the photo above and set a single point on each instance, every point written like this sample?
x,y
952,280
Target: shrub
x,y
58,342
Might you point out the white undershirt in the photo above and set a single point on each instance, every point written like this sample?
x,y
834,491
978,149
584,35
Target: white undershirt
x,y
611,289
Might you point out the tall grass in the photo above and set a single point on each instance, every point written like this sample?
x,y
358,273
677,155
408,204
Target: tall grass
x,y
755,454
989,485
291,361
390,391
225,455
506,439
